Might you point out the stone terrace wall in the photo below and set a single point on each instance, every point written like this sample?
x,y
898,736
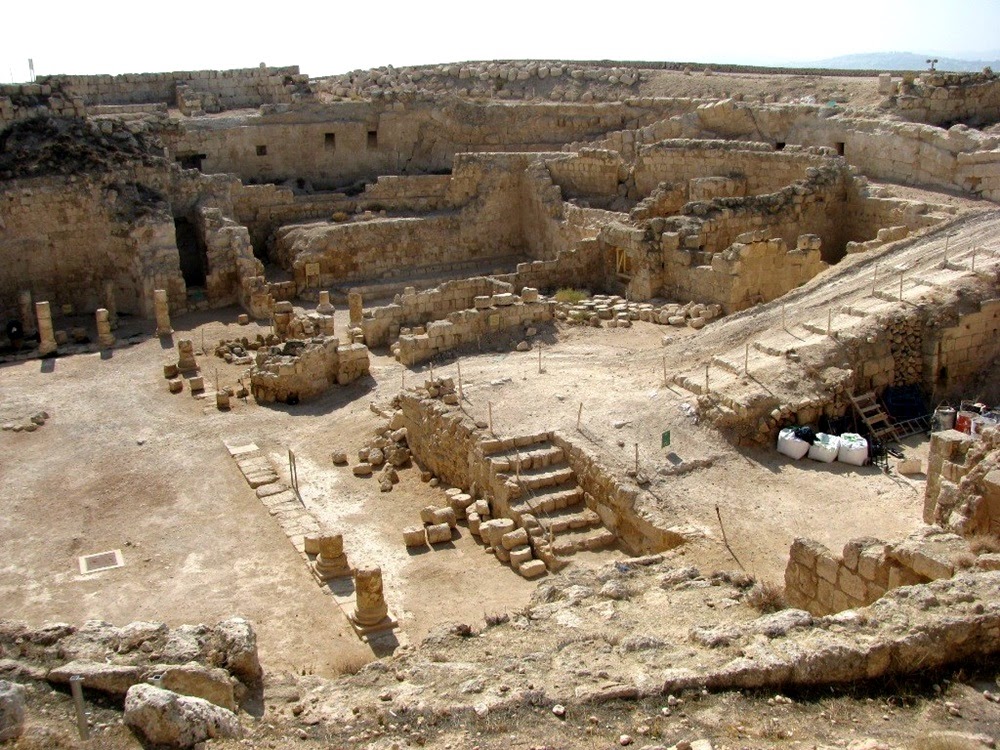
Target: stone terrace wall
x,y
218,89
947,98
441,439
21,101
589,174
413,308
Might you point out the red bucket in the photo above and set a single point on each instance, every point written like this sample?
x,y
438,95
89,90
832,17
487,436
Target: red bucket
x,y
963,421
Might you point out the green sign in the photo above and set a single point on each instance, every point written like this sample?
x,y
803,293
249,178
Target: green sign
x,y
665,439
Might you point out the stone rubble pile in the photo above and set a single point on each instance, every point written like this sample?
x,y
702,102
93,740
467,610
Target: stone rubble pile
x,y
617,312
237,351
386,452
27,424
501,80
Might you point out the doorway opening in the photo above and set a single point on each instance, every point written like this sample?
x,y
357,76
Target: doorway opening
x,y
194,259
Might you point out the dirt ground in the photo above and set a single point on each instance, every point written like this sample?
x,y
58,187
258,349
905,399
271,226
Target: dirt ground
x,y
123,464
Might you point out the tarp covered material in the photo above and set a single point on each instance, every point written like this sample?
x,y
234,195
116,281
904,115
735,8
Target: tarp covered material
x,y
825,448
790,445
853,449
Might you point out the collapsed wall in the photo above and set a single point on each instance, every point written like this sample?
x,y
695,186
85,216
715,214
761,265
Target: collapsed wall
x,y
963,482
304,370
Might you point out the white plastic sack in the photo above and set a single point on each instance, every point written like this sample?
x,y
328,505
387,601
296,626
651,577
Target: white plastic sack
x,y
825,448
790,445
853,449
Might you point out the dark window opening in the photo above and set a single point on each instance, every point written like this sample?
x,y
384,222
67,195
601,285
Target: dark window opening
x,y
943,376
192,253
372,139
262,151
839,145
192,161
779,145
330,141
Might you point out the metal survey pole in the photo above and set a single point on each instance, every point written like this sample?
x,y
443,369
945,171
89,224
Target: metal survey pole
x,y
76,688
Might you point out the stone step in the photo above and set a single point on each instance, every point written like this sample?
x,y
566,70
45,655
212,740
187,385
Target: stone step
x,y
548,501
548,477
561,522
524,459
571,542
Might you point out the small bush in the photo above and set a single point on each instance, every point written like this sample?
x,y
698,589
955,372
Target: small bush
x,y
981,544
492,620
571,296
350,663
766,597
962,560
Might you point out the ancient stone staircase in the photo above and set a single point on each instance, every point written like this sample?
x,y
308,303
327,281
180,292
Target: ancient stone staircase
x,y
543,486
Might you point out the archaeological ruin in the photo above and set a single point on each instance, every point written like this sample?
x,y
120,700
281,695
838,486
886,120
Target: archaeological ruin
x,y
492,404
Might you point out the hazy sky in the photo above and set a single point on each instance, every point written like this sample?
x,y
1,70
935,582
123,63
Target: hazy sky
x,y
334,36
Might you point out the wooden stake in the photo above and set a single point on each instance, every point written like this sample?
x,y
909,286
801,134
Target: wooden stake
x,y
664,371
783,326
539,359
706,377
459,363
579,414
829,319
432,372
874,279
900,286
636,458
489,406
746,358
402,378
974,259
947,238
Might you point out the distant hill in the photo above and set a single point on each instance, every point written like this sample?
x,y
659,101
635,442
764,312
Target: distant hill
x,y
899,61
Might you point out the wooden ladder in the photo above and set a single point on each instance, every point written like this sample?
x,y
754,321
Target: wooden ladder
x,y
874,417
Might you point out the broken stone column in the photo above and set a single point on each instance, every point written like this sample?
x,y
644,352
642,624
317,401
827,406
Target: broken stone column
x,y
27,314
370,608
331,562
46,335
104,335
324,307
186,361
356,306
161,307
111,303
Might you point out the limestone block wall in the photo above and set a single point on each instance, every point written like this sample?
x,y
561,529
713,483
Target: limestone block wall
x,y
466,326
300,371
221,89
589,174
412,308
21,101
442,440
963,482
957,357
822,583
681,160
753,269
946,98
335,144
62,238
615,502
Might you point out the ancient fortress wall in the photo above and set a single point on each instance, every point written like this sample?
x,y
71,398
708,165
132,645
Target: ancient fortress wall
x,y
963,482
62,239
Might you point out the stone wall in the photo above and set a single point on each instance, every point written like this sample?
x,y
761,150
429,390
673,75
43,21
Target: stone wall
x,y
589,174
214,90
763,169
441,439
956,357
303,370
946,98
822,583
616,502
501,312
22,101
963,482
412,308
63,238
